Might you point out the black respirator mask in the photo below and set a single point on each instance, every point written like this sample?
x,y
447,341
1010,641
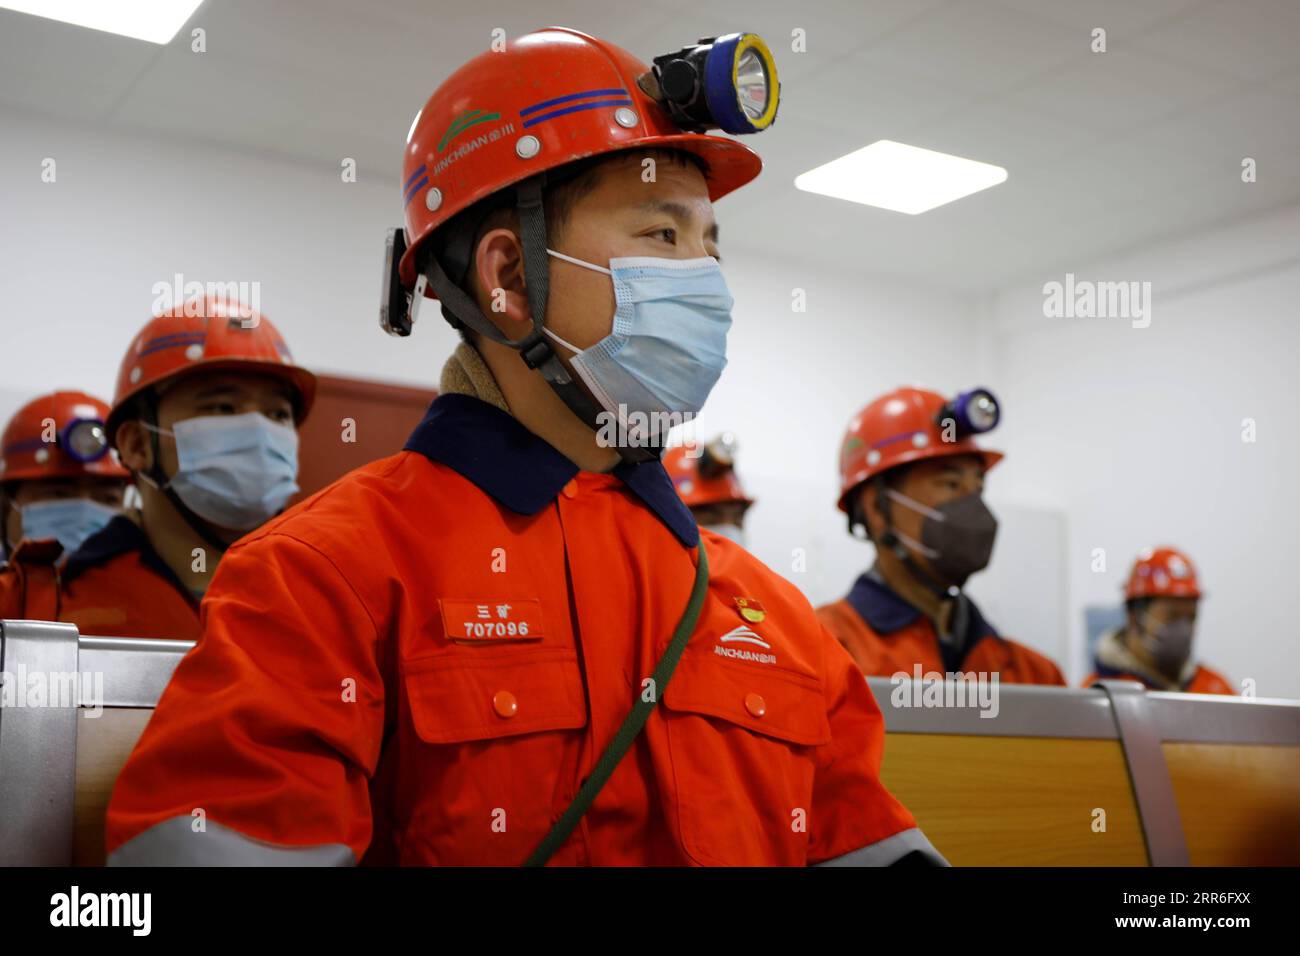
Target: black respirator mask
x,y
956,537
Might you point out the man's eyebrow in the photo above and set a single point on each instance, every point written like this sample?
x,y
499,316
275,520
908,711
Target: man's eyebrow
x,y
212,391
230,388
681,212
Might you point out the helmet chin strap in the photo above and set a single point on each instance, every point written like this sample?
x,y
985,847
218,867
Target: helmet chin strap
x,y
535,350
6,508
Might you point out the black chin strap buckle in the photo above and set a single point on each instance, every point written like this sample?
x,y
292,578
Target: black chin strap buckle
x,y
535,350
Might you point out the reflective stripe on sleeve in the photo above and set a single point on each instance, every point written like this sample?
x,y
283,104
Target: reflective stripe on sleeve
x,y
889,851
174,843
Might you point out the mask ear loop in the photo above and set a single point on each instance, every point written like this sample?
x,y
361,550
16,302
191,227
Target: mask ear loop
x,y
580,262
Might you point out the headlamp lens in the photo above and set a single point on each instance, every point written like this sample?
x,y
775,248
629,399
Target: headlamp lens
x,y
976,411
85,439
751,84
983,412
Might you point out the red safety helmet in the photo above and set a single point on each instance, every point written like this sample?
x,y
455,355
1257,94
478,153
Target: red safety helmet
x,y
708,478
897,428
1162,572
206,335
59,435
548,99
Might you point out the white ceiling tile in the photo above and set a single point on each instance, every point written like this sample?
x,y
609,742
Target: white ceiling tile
x,y
1287,84
871,100
1252,122
1119,89
1119,17
66,71
1249,39
977,47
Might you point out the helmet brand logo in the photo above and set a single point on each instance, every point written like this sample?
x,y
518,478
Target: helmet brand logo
x,y
463,122
467,147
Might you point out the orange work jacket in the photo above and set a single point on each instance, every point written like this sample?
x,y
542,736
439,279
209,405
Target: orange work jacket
x,y
1203,681
423,662
886,635
114,585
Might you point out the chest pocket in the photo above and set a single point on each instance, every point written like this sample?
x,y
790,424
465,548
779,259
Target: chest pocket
x,y
743,740
495,730
457,698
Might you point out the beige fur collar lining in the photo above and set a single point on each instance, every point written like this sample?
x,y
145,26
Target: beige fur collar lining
x,y
465,373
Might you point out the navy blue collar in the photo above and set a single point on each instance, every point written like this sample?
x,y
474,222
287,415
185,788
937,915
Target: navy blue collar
x,y
524,473
120,536
886,612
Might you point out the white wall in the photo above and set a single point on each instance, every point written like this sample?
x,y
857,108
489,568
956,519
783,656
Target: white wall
x,y
81,255
1137,434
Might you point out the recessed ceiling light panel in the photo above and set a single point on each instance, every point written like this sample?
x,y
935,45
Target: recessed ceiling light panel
x,y
153,20
900,177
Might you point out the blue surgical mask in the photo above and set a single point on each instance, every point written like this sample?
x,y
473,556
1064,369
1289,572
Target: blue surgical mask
x,y
668,345
235,471
70,520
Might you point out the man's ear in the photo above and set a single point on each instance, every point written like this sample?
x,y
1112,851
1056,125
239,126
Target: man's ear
x,y
869,508
134,447
499,277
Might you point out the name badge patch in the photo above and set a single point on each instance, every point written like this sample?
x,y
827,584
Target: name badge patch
x,y
491,622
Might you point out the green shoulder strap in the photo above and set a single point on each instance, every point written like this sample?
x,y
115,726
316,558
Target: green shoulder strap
x,y
633,723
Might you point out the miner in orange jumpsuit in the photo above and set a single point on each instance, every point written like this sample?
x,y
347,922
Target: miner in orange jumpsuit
x,y
1154,646
912,476
59,481
705,478
204,418
429,662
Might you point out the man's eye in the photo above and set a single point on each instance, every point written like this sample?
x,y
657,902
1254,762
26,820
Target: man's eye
x,y
219,408
282,416
667,235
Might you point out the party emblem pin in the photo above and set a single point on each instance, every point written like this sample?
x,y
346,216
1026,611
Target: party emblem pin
x,y
751,610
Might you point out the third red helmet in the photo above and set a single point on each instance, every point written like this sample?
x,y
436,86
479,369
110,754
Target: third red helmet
x,y
1162,572
59,435
706,478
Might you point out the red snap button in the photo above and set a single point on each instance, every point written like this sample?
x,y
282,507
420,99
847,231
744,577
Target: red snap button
x,y
755,704
504,703
571,489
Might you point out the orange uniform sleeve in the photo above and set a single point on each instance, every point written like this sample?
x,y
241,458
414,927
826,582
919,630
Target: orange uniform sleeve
x,y
847,629
29,583
11,593
1050,674
264,741
855,820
